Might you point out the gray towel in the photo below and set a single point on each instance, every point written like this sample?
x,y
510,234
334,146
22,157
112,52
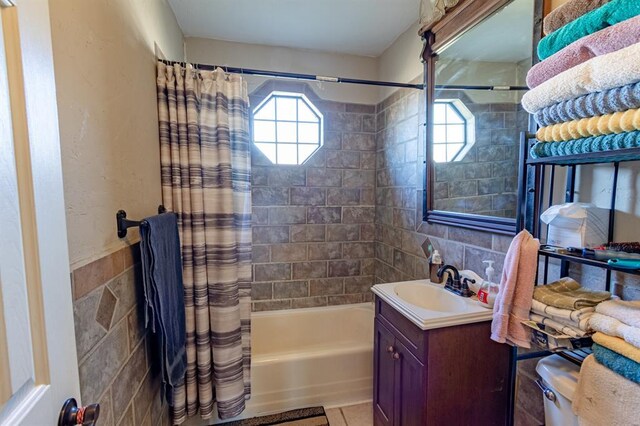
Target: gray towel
x,y
164,294
590,105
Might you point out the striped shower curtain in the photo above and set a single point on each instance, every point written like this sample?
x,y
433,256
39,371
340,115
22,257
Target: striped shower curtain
x,y
206,164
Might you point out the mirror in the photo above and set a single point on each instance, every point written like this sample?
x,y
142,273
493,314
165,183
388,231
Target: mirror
x,y
475,117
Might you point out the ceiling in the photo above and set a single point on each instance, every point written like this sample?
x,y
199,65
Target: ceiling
x,y
507,36
359,27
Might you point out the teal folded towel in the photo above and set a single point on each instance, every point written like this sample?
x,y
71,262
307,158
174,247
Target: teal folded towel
x,y
587,145
605,16
617,363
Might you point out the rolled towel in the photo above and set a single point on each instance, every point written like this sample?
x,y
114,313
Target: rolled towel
x,y
559,327
601,73
626,311
605,16
590,105
617,363
618,122
566,293
592,144
604,41
613,327
578,318
568,12
618,345
603,397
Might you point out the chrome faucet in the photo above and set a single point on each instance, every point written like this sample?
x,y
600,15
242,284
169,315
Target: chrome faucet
x,y
453,284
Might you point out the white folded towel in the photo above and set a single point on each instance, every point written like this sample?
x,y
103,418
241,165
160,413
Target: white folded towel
x,y
596,75
615,328
578,318
561,328
603,397
625,311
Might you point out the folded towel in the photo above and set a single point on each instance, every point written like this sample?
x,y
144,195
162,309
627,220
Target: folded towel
x,y
560,328
615,328
568,12
626,311
590,105
603,397
586,145
601,73
574,315
513,302
618,122
578,318
164,294
566,293
605,16
617,363
618,345
604,41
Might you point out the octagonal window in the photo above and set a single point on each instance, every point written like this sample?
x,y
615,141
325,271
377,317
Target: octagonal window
x,y
287,128
453,130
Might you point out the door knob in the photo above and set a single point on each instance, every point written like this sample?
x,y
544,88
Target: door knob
x,y
72,415
396,355
390,349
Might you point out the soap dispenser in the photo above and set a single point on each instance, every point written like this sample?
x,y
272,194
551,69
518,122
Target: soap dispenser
x,y
435,262
489,290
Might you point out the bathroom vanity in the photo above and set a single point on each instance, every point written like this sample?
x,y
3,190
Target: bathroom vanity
x,y
434,363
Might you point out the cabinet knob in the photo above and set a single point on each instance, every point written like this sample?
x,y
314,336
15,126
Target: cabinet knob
x,y
396,355
390,349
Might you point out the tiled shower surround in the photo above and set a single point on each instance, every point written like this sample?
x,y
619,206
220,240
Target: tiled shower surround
x,y
313,225
115,352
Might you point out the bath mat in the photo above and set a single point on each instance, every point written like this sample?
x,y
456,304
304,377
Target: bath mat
x,y
312,416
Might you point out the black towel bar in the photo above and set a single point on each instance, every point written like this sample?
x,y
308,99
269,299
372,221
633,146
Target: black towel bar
x,y
123,223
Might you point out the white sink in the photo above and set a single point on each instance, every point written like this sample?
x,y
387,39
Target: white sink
x,y
429,305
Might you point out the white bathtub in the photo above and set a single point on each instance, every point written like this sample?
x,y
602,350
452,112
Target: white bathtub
x,y
310,357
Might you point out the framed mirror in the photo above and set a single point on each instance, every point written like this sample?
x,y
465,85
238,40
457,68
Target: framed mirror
x,y
476,61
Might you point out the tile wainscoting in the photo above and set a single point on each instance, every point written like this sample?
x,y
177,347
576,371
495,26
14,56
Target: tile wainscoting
x,y
115,351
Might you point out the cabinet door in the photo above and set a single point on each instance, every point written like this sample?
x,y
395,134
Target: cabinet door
x,y
383,376
410,388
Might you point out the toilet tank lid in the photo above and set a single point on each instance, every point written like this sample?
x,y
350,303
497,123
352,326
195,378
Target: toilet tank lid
x,y
560,374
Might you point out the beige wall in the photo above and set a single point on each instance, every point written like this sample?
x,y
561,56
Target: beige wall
x,y
104,54
401,61
284,59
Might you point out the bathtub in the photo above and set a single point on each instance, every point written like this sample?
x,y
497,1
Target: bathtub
x,y
309,357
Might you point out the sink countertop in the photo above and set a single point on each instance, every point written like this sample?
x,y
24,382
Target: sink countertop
x,y
430,306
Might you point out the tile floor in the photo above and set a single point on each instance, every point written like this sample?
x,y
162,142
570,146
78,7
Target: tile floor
x,y
352,415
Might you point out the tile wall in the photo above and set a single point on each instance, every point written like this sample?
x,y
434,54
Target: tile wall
x,y
116,358
313,225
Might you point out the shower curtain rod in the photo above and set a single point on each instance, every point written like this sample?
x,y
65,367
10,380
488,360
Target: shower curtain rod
x,y
490,88
311,77
297,76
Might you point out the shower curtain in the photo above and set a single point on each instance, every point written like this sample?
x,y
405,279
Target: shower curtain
x,y
206,169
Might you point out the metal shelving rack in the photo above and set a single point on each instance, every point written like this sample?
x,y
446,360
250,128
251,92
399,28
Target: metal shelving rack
x,y
536,187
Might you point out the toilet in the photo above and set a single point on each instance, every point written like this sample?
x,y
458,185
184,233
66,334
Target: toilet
x,y
559,378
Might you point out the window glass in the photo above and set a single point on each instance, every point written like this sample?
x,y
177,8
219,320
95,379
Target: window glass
x,y
287,128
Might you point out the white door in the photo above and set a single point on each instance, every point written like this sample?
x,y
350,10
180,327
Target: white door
x,y
38,366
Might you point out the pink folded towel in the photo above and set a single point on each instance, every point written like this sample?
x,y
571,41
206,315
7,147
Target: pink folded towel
x,y
570,11
513,301
605,41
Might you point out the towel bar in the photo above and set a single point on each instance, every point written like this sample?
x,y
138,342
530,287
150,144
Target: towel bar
x,y
123,223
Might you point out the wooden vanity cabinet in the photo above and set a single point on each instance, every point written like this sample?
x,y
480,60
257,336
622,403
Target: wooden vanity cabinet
x,y
446,376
